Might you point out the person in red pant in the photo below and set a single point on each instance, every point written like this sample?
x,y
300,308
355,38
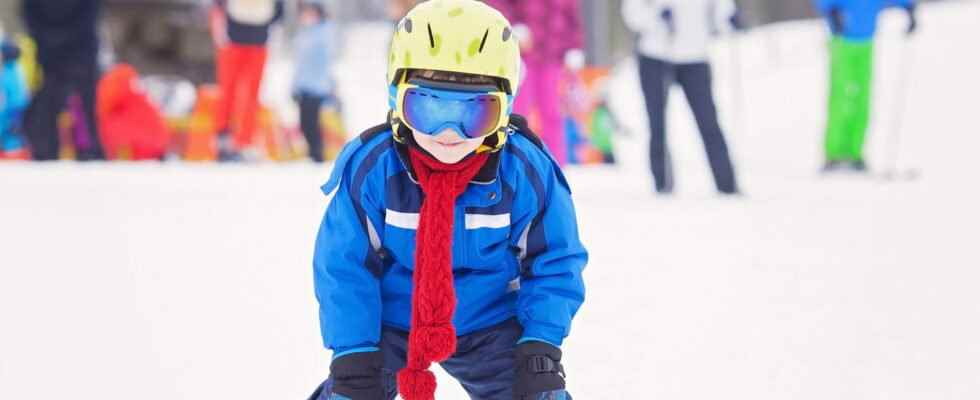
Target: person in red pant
x,y
555,29
240,29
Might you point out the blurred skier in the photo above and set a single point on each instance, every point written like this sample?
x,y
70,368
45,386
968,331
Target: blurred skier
x,y
555,34
853,24
240,29
673,47
14,98
67,49
316,53
451,236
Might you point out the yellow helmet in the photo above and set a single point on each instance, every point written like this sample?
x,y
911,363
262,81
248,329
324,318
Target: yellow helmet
x,y
458,36
464,36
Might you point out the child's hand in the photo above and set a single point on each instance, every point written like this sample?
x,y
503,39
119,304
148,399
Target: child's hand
x,y
538,370
913,21
575,59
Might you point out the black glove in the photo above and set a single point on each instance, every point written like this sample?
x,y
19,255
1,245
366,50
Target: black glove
x,y
913,21
358,376
836,21
736,21
537,368
667,15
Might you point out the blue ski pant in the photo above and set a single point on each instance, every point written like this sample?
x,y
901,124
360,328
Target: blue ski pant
x,y
483,364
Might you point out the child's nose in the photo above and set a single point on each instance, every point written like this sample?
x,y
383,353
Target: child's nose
x,y
450,133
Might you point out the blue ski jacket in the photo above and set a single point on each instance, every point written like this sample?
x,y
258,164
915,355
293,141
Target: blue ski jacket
x,y
516,249
14,97
316,54
860,16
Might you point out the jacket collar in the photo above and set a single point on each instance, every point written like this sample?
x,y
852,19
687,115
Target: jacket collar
x,y
486,176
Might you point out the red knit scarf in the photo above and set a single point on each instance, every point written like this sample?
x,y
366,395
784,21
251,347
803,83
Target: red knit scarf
x,y
432,337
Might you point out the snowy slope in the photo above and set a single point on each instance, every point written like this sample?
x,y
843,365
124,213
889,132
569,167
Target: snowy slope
x,y
176,281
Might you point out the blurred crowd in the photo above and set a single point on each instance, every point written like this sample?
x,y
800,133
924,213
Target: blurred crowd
x,y
59,100
62,100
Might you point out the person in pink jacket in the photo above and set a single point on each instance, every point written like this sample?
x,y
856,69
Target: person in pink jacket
x,y
554,28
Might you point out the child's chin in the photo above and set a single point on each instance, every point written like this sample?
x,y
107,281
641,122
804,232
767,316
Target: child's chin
x,y
449,157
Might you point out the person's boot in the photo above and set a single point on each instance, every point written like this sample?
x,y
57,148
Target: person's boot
x,y
857,166
836,166
226,149
734,193
833,166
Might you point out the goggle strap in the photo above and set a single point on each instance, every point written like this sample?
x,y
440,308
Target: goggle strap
x,y
461,87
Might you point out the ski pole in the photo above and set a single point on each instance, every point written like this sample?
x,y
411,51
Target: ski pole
x,y
893,145
738,87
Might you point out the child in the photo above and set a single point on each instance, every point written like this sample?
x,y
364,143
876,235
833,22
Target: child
x,y
853,24
452,236
14,98
673,47
315,55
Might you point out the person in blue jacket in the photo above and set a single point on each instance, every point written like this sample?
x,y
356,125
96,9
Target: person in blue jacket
x,y
451,236
313,85
14,98
853,24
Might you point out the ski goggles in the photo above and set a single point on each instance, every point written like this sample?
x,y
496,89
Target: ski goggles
x,y
432,107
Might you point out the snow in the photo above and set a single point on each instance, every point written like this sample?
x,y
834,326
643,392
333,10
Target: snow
x,y
185,281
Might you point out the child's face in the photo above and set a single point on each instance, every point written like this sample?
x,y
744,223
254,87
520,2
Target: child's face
x,y
308,16
447,146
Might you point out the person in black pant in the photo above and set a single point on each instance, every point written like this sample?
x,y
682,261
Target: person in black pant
x,y
313,84
309,123
67,50
673,47
656,77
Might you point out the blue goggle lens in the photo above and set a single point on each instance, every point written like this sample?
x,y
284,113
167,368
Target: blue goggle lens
x,y
431,111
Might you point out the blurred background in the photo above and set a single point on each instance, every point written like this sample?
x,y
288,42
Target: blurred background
x,y
160,166
170,46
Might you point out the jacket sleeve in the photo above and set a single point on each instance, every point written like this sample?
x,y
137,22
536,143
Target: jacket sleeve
x,y
724,11
280,12
331,53
639,15
824,6
348,292
552,288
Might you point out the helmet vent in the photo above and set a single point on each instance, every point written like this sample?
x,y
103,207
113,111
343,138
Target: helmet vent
x,y
507,34
432,39
484,42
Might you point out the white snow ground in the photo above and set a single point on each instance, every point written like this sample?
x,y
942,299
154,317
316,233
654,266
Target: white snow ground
x,y
180,281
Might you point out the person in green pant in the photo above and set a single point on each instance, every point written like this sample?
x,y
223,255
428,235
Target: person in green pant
x,y
853,24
